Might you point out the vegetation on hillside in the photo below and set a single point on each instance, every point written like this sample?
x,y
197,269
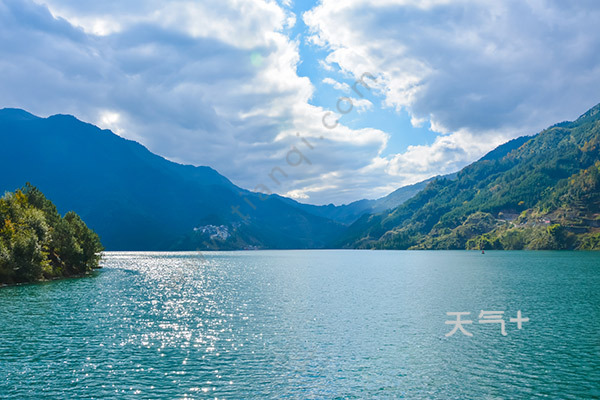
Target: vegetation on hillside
x,y
36,243
544,194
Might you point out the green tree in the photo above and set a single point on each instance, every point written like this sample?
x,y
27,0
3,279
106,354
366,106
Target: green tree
x,y
36,242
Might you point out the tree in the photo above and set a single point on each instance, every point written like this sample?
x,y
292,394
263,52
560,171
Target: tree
x,y
36,242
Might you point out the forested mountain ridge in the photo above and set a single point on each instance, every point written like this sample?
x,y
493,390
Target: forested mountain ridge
x,y
348,213
538,192
137,200
542,195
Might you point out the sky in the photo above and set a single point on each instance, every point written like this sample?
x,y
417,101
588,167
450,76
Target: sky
x,y
323,101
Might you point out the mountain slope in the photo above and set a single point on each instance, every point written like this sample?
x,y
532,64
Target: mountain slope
x,y
348,213
136,200
542,194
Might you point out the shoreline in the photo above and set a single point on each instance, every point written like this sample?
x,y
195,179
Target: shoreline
x,y
44,280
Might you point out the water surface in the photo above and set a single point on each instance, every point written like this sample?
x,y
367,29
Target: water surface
x,y
307,324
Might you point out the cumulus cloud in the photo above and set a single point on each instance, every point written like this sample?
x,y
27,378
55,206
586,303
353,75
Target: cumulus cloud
x,y
445,155
197,82
216,83
485,71
337,85
362,104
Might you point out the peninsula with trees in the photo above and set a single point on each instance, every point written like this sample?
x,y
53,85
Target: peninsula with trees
x,y
37,243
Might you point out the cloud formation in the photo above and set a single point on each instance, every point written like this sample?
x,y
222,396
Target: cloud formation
x,y
216,83
485,71
199,83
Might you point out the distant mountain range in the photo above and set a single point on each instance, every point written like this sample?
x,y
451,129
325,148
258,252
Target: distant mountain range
x,y
136,200
348,213
533,192
540,192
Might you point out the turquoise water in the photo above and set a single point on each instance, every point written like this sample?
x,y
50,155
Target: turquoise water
x,y
307,324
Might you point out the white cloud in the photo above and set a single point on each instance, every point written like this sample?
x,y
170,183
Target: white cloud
x,y
446,155
298,194
110,120
197,82
337,85
326,66
362,105
216,83
485,70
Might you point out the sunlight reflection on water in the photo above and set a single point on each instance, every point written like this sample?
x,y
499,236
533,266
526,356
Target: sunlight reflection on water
x,y
313,324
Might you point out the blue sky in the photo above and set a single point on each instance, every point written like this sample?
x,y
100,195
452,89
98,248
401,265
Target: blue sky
x,y
396,123
242,86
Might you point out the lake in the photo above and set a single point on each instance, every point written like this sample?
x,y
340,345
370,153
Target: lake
x,y
308,324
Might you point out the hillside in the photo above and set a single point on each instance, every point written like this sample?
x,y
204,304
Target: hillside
x,y
136,200
348,213
544,194
531,192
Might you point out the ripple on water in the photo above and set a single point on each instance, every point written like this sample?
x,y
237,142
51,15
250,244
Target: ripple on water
x,y
314,324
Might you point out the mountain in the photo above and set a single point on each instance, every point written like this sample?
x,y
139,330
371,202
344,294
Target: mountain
x,y
540,192
501,151
348,213
531,192
136,200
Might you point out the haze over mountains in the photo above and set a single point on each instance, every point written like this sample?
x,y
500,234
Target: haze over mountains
x,y
532,192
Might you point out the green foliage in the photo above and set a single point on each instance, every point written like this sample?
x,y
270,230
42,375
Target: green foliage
x,y
542,193
589,242
554,237
484,242
37,243
513,239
